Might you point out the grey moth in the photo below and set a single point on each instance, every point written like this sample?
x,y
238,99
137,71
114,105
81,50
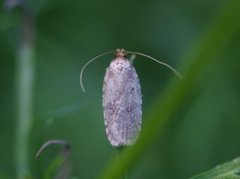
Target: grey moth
x,y
122,98
122,101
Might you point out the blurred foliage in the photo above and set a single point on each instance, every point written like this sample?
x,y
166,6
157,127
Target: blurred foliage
x,y
201,134
224,171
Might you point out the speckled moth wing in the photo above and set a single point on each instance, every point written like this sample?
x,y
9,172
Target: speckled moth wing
x,y
122,101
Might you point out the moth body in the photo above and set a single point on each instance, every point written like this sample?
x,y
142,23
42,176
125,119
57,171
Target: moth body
x,y
122,101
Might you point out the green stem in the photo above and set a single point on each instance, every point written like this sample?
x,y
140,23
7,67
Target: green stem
x,y
24,87
119,156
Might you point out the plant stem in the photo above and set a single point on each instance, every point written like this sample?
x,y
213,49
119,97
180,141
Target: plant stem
x,y
24,86
119,155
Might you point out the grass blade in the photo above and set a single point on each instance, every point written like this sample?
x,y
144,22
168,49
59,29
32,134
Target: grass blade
x,y
227,170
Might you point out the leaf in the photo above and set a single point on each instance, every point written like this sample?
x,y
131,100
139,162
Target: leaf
x,y
229,170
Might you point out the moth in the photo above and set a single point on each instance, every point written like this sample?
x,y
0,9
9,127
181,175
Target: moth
x,y
122,98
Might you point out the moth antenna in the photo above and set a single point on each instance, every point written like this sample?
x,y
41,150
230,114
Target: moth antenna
x,y
160,62
84,67
51,142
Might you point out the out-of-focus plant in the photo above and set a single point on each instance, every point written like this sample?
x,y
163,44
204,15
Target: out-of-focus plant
x,y
25,77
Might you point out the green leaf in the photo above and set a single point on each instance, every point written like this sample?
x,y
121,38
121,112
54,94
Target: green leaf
x,y
54,167
229,170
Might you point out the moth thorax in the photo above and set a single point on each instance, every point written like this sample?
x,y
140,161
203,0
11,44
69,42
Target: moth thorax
x,y
120,63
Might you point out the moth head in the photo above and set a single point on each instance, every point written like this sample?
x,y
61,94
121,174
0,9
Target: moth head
x,y
120,53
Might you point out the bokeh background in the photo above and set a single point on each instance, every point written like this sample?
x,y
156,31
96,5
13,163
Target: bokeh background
x,y
204,131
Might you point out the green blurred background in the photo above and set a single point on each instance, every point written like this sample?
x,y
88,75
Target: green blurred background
x,y
204,131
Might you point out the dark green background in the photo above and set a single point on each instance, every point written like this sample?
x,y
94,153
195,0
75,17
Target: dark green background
x,y
203,133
